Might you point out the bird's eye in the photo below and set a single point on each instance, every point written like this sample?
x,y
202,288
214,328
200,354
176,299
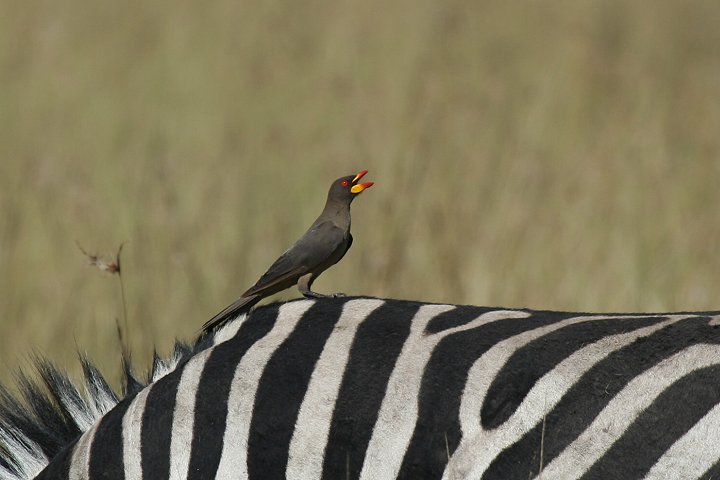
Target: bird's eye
x,y
344,183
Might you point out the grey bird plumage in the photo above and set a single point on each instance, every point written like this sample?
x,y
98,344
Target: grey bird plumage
x,y
321,246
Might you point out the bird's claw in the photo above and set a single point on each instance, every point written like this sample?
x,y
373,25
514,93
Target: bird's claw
x,y
311,294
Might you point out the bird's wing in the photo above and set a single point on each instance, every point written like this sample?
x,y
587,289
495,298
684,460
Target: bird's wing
x,y
312,249
282,274
317,248
321,243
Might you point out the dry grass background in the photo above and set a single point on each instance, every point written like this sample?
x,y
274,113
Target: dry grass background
x,y
555,154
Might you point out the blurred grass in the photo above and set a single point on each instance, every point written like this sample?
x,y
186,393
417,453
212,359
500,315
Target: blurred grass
x,y
558,154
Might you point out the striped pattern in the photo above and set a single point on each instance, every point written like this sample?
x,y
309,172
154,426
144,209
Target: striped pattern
x,y
376,389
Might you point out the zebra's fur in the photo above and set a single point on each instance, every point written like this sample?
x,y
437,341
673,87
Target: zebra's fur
x,y
49,412
374,389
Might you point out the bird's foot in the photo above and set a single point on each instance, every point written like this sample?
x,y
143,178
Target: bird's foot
x,y
311,294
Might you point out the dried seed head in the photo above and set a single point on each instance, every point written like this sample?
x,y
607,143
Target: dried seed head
x,y
111,266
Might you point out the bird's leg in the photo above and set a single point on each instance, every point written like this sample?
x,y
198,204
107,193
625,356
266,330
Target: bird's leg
x,y
304,284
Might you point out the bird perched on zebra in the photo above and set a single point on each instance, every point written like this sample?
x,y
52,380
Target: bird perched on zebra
x,y
322,246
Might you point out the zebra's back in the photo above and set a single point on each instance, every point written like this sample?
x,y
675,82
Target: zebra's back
x,y
375,389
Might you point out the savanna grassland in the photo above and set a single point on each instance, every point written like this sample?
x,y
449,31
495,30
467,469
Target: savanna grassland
x,y
554,155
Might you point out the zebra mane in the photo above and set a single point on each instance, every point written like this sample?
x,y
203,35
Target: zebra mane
x,y
49,411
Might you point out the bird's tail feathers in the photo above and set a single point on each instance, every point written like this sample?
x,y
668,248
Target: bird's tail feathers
x,y
241,305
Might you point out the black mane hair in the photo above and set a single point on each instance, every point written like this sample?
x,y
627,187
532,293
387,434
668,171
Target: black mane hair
x,y
48,411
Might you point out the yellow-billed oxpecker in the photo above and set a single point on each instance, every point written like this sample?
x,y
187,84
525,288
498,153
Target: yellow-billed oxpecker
x,y
323,245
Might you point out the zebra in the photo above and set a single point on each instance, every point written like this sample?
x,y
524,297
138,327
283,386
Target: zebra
x,y
369,388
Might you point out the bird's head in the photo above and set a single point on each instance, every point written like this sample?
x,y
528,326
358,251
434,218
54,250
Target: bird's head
x,y
347,188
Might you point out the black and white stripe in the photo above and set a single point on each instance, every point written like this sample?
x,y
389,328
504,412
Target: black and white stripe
x,y
375,389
